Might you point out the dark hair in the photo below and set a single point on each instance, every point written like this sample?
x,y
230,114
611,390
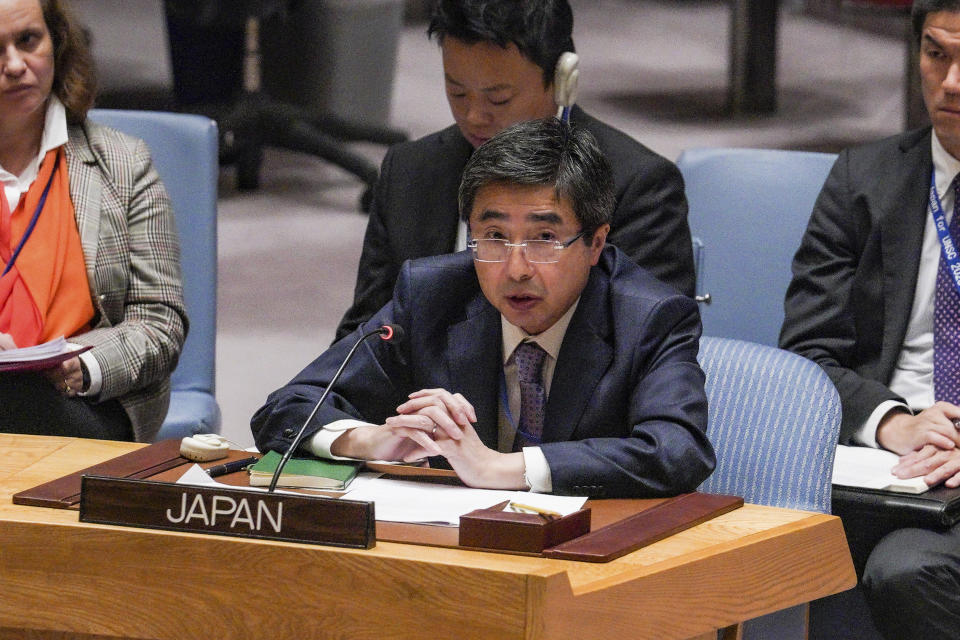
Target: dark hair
x,y
541,29
545,153
74,77
921,8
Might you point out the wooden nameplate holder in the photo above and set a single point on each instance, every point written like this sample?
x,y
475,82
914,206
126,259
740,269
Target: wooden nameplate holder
x,y
126,491
64,492
567,538
228,512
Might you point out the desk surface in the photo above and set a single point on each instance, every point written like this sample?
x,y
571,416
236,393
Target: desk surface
x,y
60,575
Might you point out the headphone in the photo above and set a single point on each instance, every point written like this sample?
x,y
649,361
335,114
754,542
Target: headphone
x,y
565,78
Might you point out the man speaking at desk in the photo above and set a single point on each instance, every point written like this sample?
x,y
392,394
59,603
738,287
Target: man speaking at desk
x,y
537,359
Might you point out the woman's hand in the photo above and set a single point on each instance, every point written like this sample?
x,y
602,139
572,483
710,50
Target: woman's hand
x,y
67,377
6,342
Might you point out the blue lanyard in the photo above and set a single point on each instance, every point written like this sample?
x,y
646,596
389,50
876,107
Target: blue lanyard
x,y
33,220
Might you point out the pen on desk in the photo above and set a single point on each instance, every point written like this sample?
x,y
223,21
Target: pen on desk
x,y
525,508
230,467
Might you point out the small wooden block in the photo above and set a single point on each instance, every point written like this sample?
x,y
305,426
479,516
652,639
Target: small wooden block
x,y
494,528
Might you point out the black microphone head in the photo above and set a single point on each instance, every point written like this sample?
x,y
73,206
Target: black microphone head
x,y
391,332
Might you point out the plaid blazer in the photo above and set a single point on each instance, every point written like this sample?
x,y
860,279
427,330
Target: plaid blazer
x,y
132,255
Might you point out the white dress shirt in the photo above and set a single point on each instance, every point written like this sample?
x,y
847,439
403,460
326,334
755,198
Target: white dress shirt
x,y
537,471
913,374
54,135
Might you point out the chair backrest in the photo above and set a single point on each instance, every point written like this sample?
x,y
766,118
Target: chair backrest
x,y
774,420
184,151
748,211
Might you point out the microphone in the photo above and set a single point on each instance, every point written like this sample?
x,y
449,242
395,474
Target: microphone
x,y
388,333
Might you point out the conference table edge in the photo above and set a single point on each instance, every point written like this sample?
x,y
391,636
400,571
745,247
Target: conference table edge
x,y
551,607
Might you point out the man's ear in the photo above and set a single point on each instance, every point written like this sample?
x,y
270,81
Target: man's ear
x,y
598,242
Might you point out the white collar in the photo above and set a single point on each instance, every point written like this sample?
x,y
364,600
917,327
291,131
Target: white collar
x,y
945,166
549,340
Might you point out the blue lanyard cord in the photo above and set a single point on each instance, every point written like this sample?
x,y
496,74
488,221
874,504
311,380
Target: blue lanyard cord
x,y
33,220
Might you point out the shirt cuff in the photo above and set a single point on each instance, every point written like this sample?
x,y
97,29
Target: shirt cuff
x,y
537,470
867,434
320,443
93,370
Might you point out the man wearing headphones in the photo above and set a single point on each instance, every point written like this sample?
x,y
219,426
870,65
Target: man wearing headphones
x,y
502,65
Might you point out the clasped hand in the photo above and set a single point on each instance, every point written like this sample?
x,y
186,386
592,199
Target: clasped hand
x,y
435,422
928,444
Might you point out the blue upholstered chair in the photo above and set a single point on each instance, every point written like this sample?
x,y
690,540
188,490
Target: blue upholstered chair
x,y
748,211
184,150
774,419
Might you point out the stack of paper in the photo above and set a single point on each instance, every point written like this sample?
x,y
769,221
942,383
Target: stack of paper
x,y
42,356
440,504
869,468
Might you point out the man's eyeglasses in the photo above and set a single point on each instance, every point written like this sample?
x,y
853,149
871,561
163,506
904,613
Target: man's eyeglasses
x,y
535,251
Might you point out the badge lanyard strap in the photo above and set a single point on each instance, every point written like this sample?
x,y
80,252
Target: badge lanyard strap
x,y
33,220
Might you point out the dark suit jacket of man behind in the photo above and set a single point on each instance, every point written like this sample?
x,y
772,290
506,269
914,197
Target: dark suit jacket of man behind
x,y
415,212
627,411
856,272
848,309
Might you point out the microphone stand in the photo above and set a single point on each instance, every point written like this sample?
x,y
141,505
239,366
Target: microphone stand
x,y
386,332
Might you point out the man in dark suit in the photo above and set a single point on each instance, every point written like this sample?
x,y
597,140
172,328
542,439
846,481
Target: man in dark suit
x,y
614,404
874,302
499,60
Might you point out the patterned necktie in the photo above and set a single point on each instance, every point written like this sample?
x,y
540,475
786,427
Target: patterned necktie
x,y
946,320
529,358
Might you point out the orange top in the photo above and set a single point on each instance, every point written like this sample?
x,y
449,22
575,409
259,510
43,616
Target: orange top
x,y
45,294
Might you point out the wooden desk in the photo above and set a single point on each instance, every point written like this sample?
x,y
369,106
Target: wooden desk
x,y
68,579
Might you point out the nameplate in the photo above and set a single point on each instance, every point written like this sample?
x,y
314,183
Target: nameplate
x,y
227,512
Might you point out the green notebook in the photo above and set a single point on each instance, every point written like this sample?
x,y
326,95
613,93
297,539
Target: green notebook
x,y
313,473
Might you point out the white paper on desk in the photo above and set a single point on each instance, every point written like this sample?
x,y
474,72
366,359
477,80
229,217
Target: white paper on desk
x,y
197,476
441,504
869,468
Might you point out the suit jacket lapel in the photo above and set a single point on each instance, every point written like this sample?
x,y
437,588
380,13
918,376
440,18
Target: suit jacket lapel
x,y
901,238
85,192
585,356
474,363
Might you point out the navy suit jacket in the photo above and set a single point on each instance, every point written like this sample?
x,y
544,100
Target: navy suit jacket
x,y
627,411
855,274
415,214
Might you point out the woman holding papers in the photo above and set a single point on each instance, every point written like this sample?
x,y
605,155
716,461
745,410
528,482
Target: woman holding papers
x,y
88,246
